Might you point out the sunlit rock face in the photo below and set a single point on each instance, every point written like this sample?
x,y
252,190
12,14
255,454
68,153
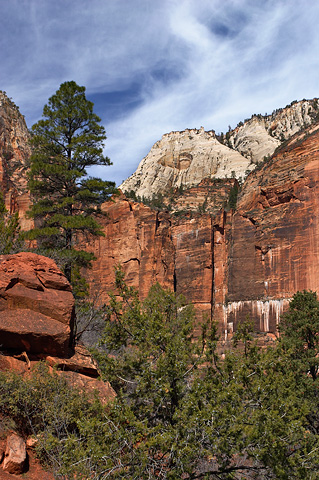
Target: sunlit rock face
x,y
259,136
230,264
36,305
14,159
275,234
185,158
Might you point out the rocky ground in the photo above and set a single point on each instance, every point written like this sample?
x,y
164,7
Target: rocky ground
x,y
36,324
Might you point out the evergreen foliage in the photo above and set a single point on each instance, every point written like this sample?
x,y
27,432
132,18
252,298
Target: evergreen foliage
x,y
153,352
181,411
300,331
233,195
194,416
66,141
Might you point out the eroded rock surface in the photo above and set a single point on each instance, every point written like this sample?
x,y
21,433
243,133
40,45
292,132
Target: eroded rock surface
x,y
259,136
36,305
230,264
15,457
275,242
185,158
185,253
14,160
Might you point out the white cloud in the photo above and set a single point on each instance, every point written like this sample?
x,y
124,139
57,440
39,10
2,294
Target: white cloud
x,y
209,63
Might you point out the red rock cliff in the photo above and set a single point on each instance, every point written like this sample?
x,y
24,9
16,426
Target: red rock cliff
x,y
274,250
228,264
14,157
187,252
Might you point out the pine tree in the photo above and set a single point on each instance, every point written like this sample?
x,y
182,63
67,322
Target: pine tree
x,y
66,141
299,328
183,411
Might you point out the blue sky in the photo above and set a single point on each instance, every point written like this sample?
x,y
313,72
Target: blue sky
x,y
154,66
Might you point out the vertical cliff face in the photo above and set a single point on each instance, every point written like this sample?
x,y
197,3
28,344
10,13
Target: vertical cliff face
x,y
229,264
275,247
186,253
14,157
139,239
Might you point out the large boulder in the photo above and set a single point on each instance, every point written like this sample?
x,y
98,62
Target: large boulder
x,y
36,305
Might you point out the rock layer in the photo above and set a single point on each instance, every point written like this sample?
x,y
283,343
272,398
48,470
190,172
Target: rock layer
x,y
185,252
36,305
275,248
229,264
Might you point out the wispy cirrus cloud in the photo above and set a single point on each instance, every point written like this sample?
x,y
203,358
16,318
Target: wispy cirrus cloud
x,y
156,66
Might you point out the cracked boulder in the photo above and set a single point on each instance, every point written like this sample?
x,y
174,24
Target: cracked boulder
x,y
36,305
15,458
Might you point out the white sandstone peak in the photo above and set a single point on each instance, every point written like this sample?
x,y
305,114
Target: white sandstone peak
x,y
185,158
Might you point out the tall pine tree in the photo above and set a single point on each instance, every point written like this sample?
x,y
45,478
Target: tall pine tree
x,y
66,141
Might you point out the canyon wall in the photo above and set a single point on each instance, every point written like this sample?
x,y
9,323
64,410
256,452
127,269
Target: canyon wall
x,y
229,263
275,250
185,252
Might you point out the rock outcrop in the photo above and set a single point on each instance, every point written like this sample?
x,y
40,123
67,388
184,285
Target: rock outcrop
x,y
15,457
186,158
36,323
259,136
36,305
228,262
14,159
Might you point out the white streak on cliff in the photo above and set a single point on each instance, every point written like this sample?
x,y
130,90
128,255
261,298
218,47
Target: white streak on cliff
x,y
260,310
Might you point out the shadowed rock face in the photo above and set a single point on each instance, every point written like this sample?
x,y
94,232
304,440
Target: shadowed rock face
x,y
14,160
36,305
